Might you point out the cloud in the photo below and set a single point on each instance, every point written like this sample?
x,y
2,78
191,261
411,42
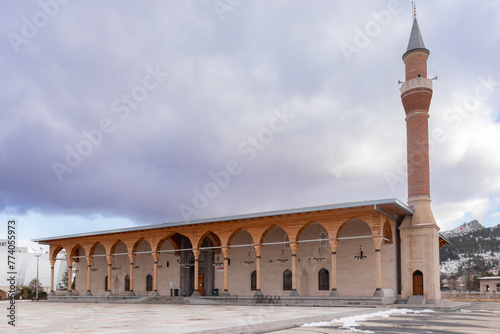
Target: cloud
x,y
225,79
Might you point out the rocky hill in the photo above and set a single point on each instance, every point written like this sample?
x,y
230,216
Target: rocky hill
x,y
472,247
465,228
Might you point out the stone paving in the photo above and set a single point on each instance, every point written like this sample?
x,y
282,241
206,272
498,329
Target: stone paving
x,y
479,317
45,317
49,317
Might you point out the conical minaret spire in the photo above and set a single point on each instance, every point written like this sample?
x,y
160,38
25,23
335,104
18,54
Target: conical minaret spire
x,y
416,41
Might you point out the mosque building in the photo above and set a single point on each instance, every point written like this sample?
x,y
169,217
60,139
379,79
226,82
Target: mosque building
x,y
370,252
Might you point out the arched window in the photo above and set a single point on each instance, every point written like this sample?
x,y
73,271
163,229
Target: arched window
x,y
487,289
287,280
253,281
127,283
324,239
287,241
106,283
149,283
324,279
498,287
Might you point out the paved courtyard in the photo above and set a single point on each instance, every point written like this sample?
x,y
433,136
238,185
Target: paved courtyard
x,y
44,317
480,317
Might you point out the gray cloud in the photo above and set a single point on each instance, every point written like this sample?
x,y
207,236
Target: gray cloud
x,y
225,80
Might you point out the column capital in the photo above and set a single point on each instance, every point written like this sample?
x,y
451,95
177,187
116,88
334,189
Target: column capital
x,y
377,240
293,246
258,249
225,251
156,256
333,244
131,257
110,258
196,253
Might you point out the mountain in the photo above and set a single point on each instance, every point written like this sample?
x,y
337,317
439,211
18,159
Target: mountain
x,y
472,247
465,228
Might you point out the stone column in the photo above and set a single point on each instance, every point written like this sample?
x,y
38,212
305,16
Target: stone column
x,y
131,257
293,247
52,264
196,253
258,251
225,250
156,256
333,245
89,269
377,240
70,274
110,262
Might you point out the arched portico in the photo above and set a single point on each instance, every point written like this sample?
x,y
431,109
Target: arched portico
x,y
247,256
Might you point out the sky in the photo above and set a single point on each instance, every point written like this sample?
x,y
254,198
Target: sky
x,y
123,113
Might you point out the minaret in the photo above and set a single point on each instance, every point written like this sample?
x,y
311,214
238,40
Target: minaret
x,y
420,232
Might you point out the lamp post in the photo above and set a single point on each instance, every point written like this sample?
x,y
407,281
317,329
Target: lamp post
x,y
38,253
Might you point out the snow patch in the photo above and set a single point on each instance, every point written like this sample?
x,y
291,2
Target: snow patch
x,y
349,323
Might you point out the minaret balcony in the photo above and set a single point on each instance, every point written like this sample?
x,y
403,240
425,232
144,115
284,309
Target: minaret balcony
x,y
416,83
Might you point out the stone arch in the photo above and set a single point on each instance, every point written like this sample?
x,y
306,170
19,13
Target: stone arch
x,y
79,256
312,256
55,251
75,253
93,247
242,256
165,238
238,230
114,245
214,238
99,266
339,230
143,264
356,272
299,233
137,243
268,229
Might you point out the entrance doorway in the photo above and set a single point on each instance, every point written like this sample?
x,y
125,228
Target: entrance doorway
x,y
201,284
418,283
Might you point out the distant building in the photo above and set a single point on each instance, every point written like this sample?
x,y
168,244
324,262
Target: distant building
x,y
490,285
26,267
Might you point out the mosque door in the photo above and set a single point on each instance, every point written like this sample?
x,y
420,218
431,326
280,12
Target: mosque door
x,y
201,284
418,283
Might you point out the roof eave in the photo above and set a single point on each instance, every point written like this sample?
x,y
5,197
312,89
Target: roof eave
x,y
400,205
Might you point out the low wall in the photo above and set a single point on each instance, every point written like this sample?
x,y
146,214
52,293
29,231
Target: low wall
x,y
469,295
230,300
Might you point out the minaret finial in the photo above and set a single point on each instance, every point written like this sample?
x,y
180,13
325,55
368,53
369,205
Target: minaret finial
x,y
414,9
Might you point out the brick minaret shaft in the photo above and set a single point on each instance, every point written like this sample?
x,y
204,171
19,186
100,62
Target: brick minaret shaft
x,y
419,232
416,94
